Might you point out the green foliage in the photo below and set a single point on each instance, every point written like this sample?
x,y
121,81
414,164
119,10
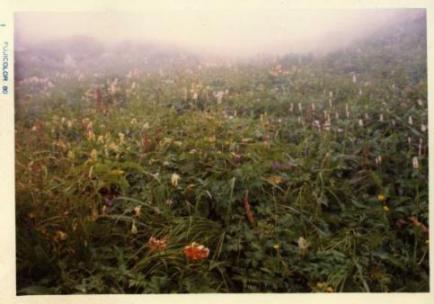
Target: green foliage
x,y
319,221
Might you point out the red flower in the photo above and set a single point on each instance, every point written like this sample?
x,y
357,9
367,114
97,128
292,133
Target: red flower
x,y
196,252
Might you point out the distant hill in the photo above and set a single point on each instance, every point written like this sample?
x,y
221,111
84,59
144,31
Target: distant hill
x,y
89,55
403,46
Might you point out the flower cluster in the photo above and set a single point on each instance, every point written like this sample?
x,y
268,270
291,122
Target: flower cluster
x,y
196,252
155,244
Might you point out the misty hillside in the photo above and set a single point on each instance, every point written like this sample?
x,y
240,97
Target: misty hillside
x,y
88,55
399,45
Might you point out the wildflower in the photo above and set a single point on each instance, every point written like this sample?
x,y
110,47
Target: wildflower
x,y
93,155
100,139
60,236
121,137
323,287
354,78
94,214
381,197
275,179
415,221
69,124
134,229
88,124
276,247
415,162
386,209
291,107
303,246
410,120
381,117
90,135
196,252
423,128
236,157
420,146
361,123
156,244
133,121
174,179
137,211
115,148
378,160
71,155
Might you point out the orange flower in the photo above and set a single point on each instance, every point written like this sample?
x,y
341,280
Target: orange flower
x,y
156,244
196,252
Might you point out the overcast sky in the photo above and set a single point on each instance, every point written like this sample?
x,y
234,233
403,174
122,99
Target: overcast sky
x,y
225,32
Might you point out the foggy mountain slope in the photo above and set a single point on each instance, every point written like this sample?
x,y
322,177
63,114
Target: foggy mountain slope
x,y
89,55
398,45
402,46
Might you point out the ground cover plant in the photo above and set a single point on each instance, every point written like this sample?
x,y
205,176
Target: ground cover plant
x,y
299,174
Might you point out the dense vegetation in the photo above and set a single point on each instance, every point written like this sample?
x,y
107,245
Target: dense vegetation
x,y
301,174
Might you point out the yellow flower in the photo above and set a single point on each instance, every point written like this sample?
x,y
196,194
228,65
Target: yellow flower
x,y
175,179
386,208
276,246
275,179
381,197
60,235
117,172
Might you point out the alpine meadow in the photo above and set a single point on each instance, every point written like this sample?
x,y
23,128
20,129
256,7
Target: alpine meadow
x,y
149,167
